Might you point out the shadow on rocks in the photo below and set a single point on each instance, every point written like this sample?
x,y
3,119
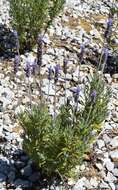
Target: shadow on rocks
x,y
18,171
7,42
111,66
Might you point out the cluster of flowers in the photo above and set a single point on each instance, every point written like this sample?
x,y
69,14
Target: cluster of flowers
x,y
31,66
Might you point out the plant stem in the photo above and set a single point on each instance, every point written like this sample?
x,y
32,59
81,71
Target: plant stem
x,y
29,93
40,84
55,102
48,91
65,90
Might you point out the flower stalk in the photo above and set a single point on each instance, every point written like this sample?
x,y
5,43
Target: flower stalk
x,y
27,70
49,79
39,61
56,77
65,63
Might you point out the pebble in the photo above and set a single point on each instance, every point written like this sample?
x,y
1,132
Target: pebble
x,y
107,144
19,164
2,177
115,172
27,171
94,182
110,178
22,183
112,186
114,155
11,176
109,165
115,77
34,177
114,143
80,184
106,139
100,143
104,185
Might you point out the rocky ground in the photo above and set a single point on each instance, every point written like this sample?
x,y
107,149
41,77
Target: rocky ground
x,y
80,22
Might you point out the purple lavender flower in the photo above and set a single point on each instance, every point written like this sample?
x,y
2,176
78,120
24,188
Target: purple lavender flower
x,y
33,67
57,68
93,95
109,25
27,68
109,22
39,49
15,34
76,90
65,63
50,73
105,53
16,63
82,48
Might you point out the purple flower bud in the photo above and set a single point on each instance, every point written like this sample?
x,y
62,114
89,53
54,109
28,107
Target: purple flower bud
x,y
50,73
39,49
82,48
105,53
65,63
109,22
16,63
93,95
33,67
57,68
27,68
109,25
15,34
76,90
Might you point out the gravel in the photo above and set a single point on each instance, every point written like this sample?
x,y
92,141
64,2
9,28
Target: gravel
x,y
16,172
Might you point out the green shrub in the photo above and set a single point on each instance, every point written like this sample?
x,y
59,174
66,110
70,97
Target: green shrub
x,y
59,145
30,17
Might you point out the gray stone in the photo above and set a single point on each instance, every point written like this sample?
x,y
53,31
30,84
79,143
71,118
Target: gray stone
x,y
104,185
106,138
114,155
19,164
8,128
109,165
22,183
27,171
11,176
94,182
99,166
115,116
115,76
110,178
4,166
80,184
34,177
100,143
115,172
2,177
112,186
24,158
114,142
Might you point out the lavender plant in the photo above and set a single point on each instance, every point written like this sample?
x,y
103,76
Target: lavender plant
x,y
32,17
107,35
57,144
57,149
